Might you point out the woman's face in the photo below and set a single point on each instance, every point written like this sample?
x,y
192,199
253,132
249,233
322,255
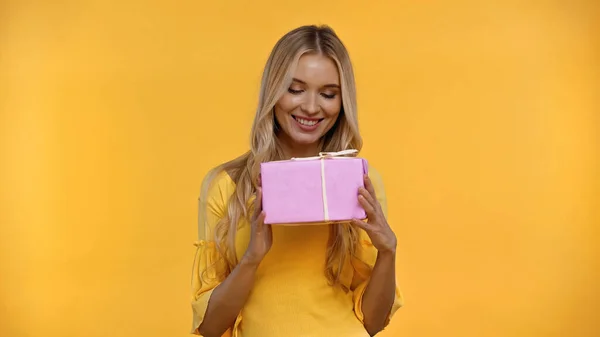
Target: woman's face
x,y
312,103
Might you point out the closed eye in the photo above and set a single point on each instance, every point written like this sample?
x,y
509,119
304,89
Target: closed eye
x,y
295,92
328,96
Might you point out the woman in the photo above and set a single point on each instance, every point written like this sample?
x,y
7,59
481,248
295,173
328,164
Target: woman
x,y
256,280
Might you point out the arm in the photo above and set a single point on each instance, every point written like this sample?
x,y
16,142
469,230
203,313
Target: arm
x,y
228,298
379,298
380,292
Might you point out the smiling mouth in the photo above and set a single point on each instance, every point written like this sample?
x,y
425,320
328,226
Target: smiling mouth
x,y
307,121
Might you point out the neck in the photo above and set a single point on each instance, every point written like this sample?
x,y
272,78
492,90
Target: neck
x,y
291,150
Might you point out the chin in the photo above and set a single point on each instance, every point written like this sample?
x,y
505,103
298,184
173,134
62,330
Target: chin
x,y
305,139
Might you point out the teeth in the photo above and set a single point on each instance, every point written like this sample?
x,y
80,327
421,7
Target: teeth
x,y
306,122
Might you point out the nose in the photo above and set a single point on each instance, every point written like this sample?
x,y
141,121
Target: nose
x,y
310,105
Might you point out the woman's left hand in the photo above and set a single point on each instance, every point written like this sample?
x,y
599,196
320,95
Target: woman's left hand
x,y
377,227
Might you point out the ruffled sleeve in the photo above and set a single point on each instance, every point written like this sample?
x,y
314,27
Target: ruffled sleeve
x,y
204,281
207,262
366,257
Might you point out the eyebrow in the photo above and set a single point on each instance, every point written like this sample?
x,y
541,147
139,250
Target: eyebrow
x,y
325,86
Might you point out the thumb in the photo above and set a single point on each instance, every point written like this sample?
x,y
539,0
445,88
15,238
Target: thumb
x,y
260,221
257,204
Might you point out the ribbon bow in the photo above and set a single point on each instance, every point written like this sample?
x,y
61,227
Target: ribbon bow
x,y
325,155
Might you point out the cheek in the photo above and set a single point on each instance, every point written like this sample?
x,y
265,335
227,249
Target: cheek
x,y
332,108
281,110
286,103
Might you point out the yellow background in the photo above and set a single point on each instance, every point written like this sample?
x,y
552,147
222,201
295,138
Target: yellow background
x,y
481,116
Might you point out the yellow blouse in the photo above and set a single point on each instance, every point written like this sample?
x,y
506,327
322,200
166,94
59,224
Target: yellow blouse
x,y
291,295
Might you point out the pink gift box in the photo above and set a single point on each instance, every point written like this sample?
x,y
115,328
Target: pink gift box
x,y
314,189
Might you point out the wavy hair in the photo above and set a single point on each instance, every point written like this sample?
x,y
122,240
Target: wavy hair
x,y
264,146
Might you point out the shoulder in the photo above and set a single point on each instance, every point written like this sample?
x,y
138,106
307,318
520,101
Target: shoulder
x,y
217,187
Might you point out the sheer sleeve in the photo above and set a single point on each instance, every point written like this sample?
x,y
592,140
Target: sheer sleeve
x,y
207,263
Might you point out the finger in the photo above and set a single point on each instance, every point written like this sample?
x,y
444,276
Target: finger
x,y
361,224
368,207
369,186
370,199
259,180
371,189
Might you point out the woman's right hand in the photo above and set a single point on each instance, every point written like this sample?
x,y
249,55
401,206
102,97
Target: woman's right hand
x,y
261,235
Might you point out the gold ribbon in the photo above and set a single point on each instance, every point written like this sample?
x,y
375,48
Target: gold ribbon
x,y
321,156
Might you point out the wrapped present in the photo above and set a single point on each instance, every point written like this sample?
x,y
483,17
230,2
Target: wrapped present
x,y
313,189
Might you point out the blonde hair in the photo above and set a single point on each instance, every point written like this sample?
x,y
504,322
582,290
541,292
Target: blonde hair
x,y
244,170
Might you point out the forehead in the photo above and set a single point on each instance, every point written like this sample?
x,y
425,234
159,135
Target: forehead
x,y
316,69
